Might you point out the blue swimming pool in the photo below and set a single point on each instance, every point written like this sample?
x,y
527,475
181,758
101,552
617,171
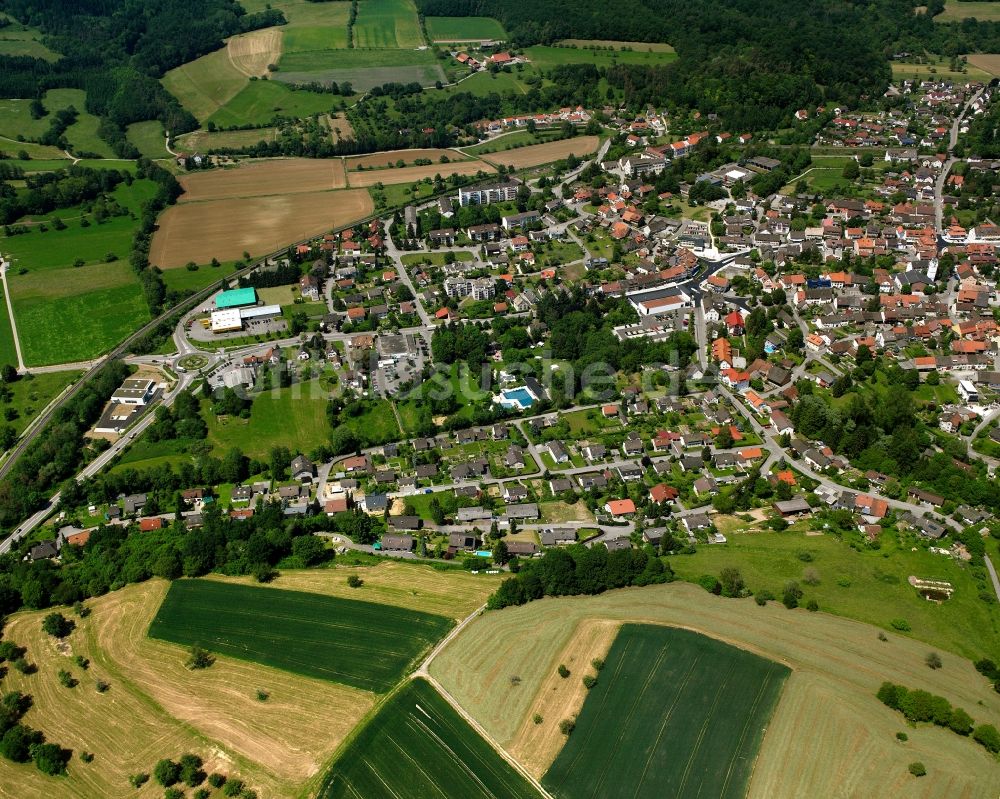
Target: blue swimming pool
x,y
521,396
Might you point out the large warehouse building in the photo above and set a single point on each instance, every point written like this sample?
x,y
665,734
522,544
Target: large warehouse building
x,y
235,298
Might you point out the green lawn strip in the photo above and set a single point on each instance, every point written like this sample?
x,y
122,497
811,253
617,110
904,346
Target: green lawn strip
x,y
870,586
673,713
417,746
360,644
8,352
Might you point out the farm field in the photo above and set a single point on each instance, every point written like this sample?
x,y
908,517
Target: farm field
x,y
410,174
156,707
546,153
315,26
362,68
387,24
703,703
264,177
642,47
464,29
224,229
148,138
205,85
389,159
360,644
937,67
417,746
66,315
829,657
293,417
251,53
987,62
454,593
956,10
508,141
82,134
260,101
206,141
482,84
544,57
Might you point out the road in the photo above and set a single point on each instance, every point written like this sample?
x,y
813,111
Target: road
x,y
993,575
946,167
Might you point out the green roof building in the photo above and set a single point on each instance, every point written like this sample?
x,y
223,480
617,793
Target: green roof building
x,y
236,298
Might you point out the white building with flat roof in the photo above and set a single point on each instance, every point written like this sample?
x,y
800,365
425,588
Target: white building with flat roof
x,y
134,391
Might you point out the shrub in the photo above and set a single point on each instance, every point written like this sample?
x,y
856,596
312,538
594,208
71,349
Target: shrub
x,y
233,787
902,736
50,759
262,696
82,662
812,605
563,671
710,583
537,718
216,780
589,681
190,771
354,581
933,660
597,663
24,666
805,557
566,726
167,772
66,679
199,658
81,610
763,596
202,793
987,736
810,576
882,636
960,721
101,686
138,780
57,625
173,793
988,669
87,757
900,624
917,769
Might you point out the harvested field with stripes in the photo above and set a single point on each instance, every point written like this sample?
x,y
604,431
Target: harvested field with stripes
x,y
388,159
412,174
251,52
225,229
537,154
263,178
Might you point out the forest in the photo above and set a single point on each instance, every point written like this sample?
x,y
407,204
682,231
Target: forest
x,y
752,62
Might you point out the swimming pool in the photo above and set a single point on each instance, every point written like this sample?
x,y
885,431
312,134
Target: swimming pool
x,y
518,397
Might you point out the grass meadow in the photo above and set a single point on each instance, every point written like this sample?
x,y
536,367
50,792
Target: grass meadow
x,y
260,101
417,746
464,29
387,24
148,138
673,713
66,313
360,644
956,10
8,353
19,40
33,392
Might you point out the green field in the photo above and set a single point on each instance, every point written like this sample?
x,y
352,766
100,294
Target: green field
x,y
363,69
464,29
387,24
544,57
936,67
32,393
361,644
870,586
293,417
82,134
65,313
484,83
206,84
417,746
148,138
959,10
510,141
19,40
260,101
15,120
674,713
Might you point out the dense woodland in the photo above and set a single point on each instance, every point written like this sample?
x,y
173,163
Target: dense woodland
x,y
752,62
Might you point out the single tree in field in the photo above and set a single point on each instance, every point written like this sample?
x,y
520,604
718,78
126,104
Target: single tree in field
x,y
933,660
199,658
57,625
